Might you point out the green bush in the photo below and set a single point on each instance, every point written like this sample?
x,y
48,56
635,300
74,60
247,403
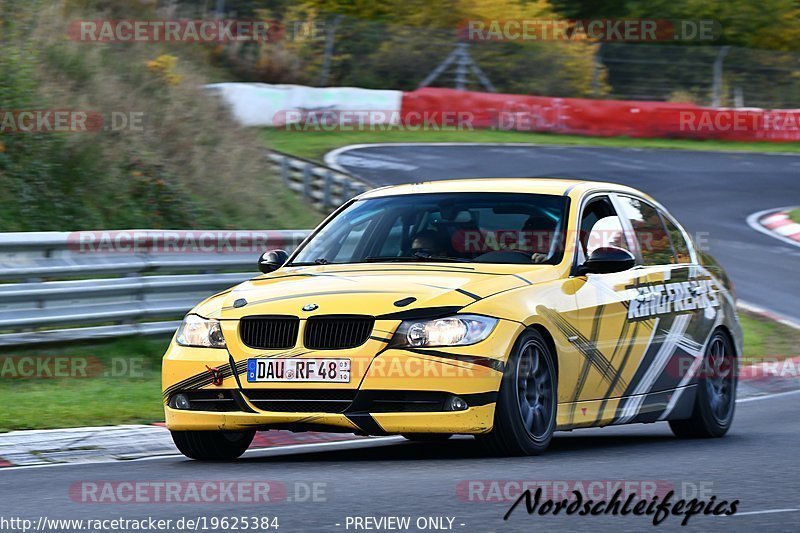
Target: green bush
x,y
188,166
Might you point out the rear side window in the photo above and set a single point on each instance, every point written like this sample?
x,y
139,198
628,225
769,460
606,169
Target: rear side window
x,y
649,231
679,244
601,227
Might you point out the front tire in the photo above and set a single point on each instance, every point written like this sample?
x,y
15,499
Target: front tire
x,y
212,445
525,416
715,400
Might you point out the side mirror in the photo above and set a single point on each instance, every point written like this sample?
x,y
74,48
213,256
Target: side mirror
x,y
272,260
607,260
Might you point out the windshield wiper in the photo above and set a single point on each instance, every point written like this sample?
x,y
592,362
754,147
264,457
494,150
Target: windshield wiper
x,y
317,261
418,256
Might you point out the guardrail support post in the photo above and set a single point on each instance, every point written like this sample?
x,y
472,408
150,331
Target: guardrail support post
x,y
716,90
326,192
307,180
345,190
285,170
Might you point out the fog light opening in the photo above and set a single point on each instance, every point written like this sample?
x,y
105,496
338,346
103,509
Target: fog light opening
x,y
180,401
454,403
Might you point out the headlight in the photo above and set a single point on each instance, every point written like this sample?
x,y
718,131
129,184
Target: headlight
x,y
457,330
198,331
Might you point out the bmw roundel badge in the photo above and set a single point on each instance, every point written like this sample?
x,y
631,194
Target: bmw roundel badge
x,y
310,307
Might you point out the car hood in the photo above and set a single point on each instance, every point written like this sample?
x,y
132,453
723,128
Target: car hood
x,y
371,289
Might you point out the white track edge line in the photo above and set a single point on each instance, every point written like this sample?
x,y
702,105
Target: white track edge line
x,y
264,452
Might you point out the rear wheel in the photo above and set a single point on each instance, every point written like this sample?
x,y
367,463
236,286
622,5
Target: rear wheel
x,y
212,445
525,417
715,400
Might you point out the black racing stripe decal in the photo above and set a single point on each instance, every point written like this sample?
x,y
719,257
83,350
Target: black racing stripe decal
x,y
457,270
629,349
420,313
664,325
646,362
527,282
587,365
313,295
197,381
366,423
223,293
205,378
234,370
305,275
470,294
326,275
270,278
499,292
583,345
488,362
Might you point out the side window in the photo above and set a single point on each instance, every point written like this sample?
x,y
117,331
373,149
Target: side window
x,y
607,231
654,243
601,227
679,244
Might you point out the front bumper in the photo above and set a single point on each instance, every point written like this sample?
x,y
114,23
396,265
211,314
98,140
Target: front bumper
x,y
383,395
474,420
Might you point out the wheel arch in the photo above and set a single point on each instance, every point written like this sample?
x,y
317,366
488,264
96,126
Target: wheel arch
x,y
548,339
729,334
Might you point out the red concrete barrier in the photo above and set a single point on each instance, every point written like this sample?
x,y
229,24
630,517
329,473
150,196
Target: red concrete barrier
x,y
605,118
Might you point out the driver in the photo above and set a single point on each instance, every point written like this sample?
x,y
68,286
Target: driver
x,y
427,242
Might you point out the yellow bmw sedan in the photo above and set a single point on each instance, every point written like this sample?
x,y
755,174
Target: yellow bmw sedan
x,y
506,309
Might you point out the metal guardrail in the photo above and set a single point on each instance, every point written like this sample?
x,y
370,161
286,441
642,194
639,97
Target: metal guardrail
x,y
47,297
60,286
325,187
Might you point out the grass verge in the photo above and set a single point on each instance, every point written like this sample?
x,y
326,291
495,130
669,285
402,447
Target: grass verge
x,y
135,396
315,144
113,382
766,339
795,215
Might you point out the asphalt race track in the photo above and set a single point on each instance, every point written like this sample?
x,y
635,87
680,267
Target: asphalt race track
x,y
711,193
757,463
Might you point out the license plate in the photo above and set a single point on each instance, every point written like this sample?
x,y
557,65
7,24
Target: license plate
x,y
318,370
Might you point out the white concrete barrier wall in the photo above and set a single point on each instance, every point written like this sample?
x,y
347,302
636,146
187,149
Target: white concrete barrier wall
x,y
260,104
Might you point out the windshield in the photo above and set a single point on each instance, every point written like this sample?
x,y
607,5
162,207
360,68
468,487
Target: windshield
x,y
451,227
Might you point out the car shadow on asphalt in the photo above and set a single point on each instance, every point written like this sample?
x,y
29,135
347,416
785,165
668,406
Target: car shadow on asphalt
x,y
463,448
